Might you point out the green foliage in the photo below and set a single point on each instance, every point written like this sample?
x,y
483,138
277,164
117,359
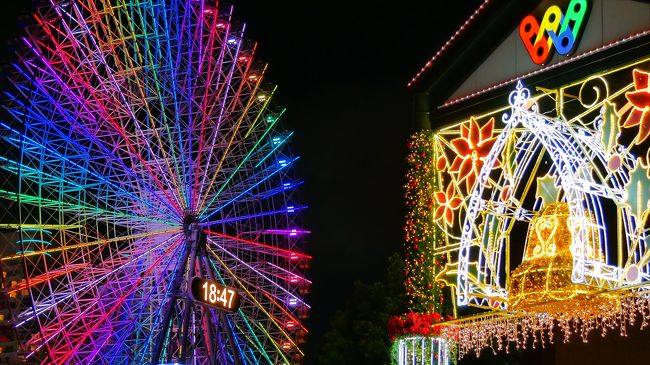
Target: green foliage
x,y
638,192
358,333
421,233
610,127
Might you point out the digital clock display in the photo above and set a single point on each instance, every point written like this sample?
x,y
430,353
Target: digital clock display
x,y
214,294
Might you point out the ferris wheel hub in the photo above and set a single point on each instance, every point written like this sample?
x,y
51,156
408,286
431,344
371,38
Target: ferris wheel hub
x,y
188,219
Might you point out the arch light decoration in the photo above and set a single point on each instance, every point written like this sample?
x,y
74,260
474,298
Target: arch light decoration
x,y
577,156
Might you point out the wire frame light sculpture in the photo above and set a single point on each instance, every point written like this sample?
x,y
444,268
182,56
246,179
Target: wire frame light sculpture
x,y
423,350
548,226
141,149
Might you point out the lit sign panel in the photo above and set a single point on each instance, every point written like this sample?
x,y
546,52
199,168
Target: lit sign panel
x,y
558,31
214,294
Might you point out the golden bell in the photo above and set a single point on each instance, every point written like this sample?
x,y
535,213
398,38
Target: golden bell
x,y
542,282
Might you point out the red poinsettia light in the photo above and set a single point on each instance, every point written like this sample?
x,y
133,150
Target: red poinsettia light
x,y
472,147
414,324
640,99
447,203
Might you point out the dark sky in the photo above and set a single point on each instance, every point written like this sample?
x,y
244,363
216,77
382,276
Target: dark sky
x,y
342,69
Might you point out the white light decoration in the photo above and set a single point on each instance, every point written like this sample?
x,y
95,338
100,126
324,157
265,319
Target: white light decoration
x,y
422,350
575,153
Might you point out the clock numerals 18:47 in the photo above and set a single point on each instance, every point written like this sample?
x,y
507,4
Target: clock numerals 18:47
x,y
213,294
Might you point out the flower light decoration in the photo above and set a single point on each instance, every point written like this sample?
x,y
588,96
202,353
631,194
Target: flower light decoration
x,y
566,177
640,99
471,148
447,201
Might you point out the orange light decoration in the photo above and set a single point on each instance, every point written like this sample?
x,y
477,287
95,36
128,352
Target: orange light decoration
x,y
543,297
471,148
640,99
577,178
447,203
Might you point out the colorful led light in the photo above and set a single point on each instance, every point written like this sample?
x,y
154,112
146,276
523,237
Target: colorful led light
x,y
558,30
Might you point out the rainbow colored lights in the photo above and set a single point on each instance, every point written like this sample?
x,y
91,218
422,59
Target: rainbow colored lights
x,y
559,31
143,149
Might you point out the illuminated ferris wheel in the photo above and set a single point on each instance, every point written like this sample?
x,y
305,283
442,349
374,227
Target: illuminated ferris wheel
x,y
148,190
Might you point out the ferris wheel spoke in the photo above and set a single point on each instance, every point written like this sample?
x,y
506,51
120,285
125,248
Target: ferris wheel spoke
x,y
115,113
117,303
70,319
129,67
148,61
226,151
245,244
249,288
286,186
237,218
247,330
134,330
93,276
263,278
101,153
146,58
256,339
50,251
226,78
277,143
189,84
80,167
157,313
174,94
269,173
83,210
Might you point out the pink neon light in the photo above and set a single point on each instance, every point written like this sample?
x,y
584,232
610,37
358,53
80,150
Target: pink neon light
x,y
289,253
108,116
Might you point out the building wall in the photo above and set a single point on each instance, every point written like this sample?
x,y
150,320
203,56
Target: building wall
x,y
609,21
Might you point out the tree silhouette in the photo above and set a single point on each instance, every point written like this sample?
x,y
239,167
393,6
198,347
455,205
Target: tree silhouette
x,y
358,333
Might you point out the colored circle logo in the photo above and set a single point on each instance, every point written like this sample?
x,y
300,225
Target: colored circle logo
x,y
558,31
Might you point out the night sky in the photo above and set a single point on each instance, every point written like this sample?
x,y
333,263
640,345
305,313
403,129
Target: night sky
x,y
342,69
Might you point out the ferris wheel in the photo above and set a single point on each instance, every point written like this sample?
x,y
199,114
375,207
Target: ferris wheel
x,y
149,192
